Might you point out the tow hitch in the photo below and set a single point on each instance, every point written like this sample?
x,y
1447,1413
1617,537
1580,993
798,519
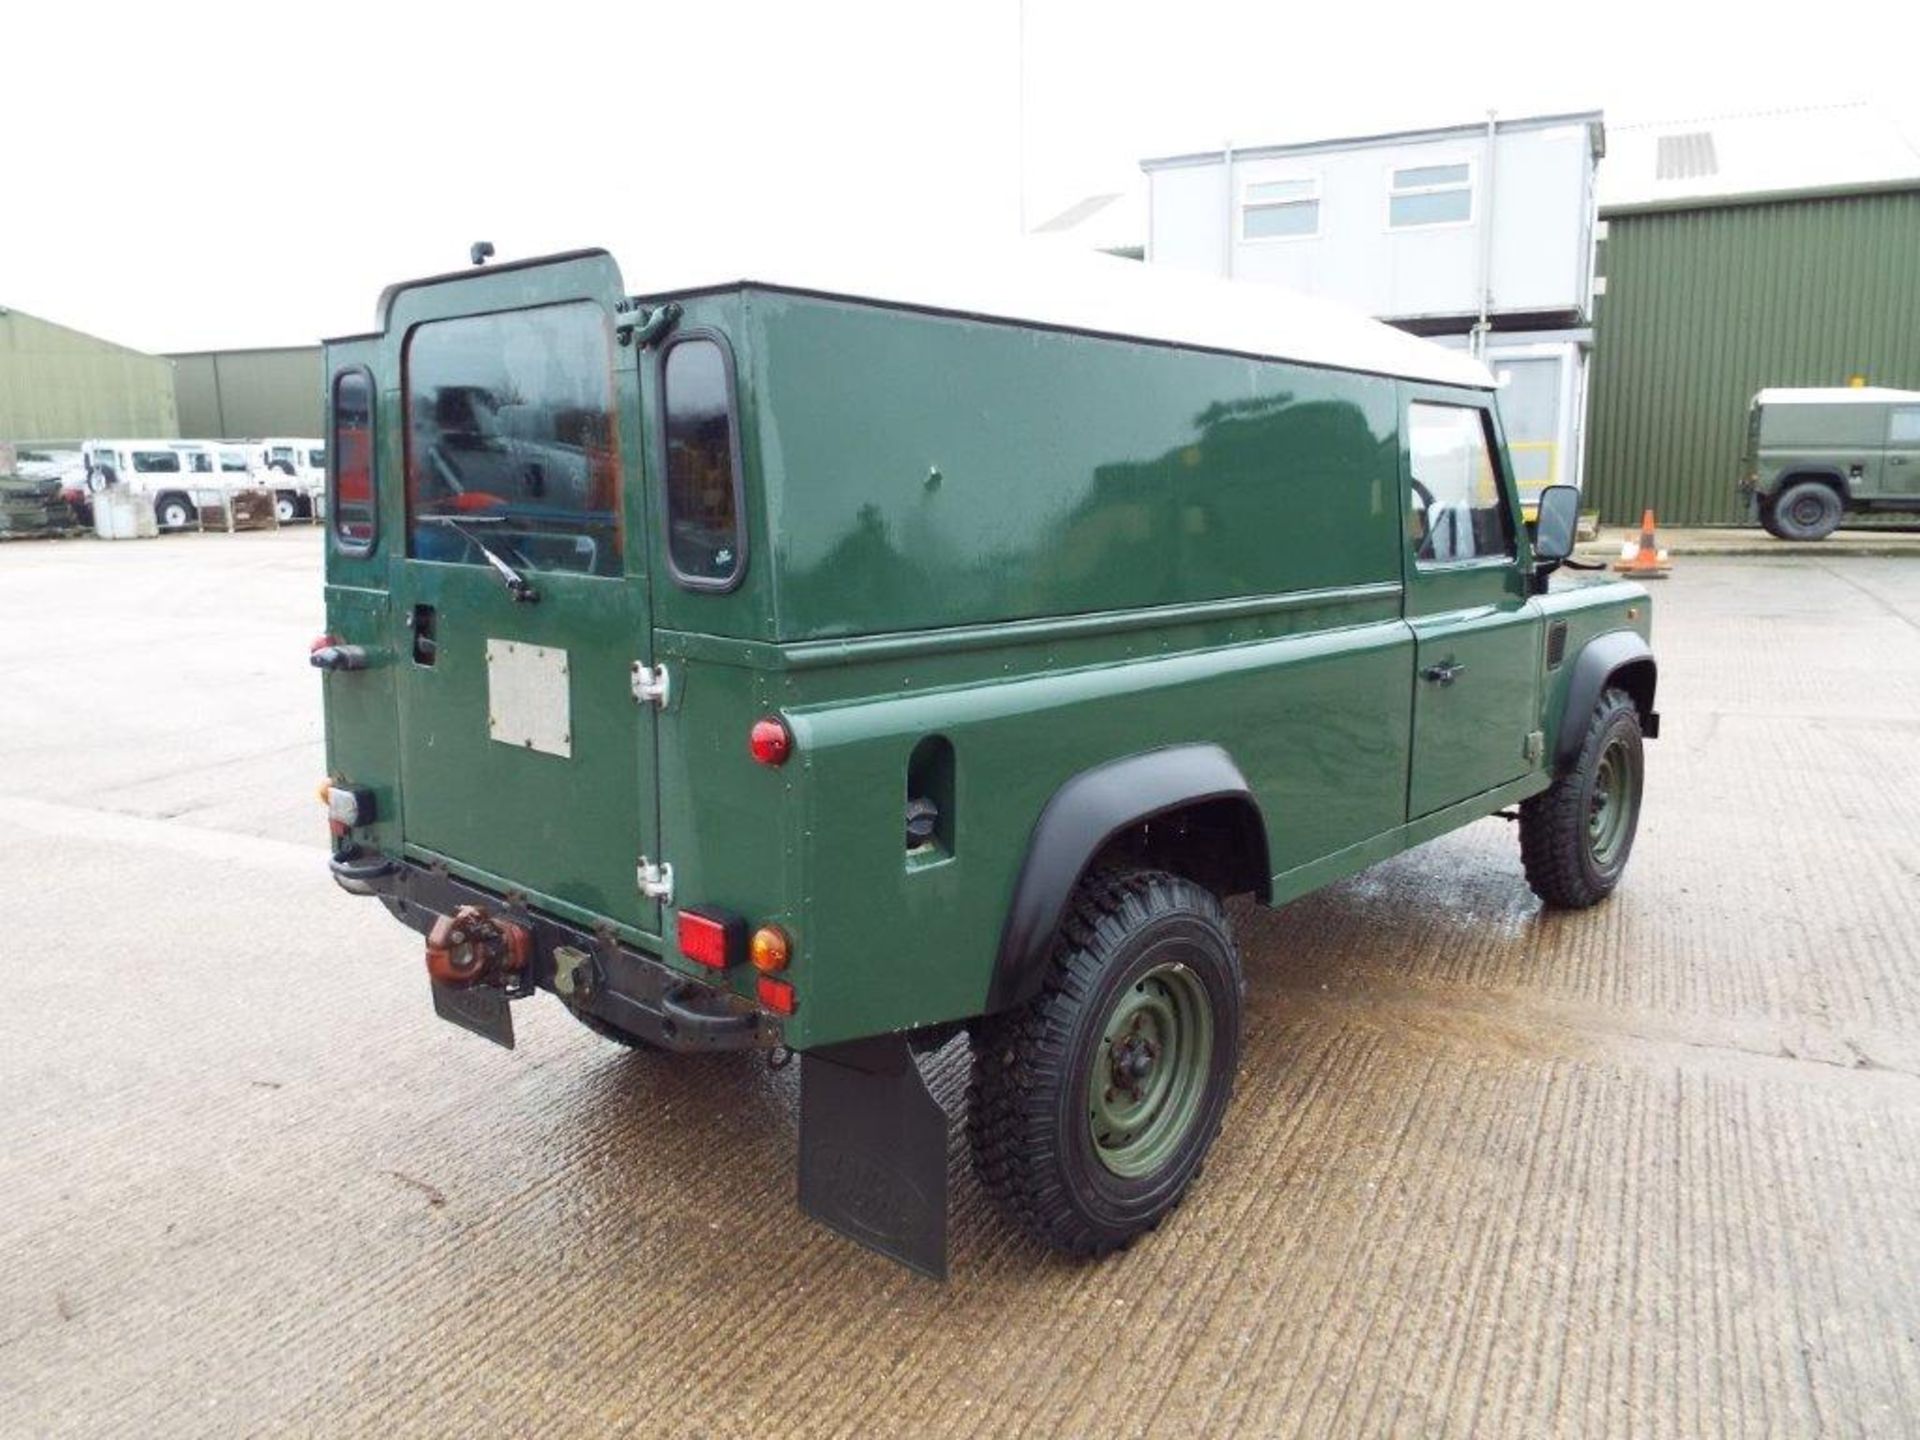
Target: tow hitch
x,y
478,962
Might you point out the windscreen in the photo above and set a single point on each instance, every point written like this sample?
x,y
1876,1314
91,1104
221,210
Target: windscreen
x,y
511,440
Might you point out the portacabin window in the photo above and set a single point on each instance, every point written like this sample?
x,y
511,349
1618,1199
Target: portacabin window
x,y
356,515
1431,195
1286,209
706,539
1456,510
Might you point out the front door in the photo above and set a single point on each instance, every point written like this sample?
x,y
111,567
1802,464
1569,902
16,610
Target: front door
x,y
520,602
1476,637
1900,469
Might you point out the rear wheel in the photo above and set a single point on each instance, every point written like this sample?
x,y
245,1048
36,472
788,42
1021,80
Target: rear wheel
x,y
1575,837
174,512
1809,510
1763,511
285,508
1093,1106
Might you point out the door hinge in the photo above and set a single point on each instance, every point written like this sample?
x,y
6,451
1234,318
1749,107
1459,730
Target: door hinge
x,y
1536,746
651,686
655,880
636,325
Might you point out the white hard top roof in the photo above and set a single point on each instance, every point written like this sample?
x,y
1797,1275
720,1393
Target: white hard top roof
x,y
1039,284
1838,395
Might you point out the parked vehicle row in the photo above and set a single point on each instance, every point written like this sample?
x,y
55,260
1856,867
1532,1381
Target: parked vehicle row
x,y
183,477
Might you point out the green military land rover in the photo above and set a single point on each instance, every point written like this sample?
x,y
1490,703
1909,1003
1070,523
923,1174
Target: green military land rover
x,y
1815,455
835,661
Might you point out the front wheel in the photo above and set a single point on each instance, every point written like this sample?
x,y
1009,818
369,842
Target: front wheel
x,y
1576,835
1807,511
1092,1107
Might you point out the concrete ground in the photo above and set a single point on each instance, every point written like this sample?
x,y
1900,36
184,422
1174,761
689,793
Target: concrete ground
x,y
1646,1170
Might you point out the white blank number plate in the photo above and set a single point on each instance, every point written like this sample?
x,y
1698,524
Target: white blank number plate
x,y
528,705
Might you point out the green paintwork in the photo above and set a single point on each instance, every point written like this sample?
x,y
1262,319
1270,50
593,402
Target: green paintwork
x,y
1148,1075
1050,549
1851,444
1708,302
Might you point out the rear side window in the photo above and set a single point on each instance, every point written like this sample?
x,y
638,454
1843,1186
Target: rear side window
x,y
1904,427
511,440
1456,510
706,548
355,516
156,462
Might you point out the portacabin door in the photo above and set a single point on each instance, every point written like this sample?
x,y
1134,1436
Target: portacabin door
x,y
1476,634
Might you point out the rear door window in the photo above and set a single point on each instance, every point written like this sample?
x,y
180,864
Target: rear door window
x,y
705,544
511,440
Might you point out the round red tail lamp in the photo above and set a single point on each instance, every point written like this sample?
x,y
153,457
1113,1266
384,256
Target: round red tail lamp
x,y
770,741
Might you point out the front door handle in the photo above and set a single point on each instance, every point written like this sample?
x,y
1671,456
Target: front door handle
x,y
1444,673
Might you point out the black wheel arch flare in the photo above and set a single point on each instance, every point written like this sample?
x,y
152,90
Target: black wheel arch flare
x,y
1089,811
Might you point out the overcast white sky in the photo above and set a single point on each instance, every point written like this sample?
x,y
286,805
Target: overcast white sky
x,y
189,175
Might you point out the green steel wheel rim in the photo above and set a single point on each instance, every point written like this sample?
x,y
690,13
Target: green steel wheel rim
x,y
1149,1072
1610,812
1808,510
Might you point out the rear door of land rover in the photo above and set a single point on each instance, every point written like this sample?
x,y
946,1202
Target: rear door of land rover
x,y
519,588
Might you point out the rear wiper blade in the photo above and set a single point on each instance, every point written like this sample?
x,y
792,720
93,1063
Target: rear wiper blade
x,y
516,583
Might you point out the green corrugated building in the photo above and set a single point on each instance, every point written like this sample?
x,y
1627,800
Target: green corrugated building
x,y
235,394
59,384
1707,300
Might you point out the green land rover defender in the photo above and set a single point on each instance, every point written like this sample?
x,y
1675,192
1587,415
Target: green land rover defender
x,y
1815,455
833,663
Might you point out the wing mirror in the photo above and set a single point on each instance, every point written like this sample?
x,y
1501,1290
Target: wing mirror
x,y
1554,532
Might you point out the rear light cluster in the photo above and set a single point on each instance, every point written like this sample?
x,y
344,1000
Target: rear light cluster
x,y
348,806
718,939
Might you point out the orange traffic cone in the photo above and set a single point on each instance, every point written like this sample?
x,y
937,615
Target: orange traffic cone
x,y
1646,559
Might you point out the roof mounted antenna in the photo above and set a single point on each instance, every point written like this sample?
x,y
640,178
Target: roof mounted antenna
x,y
480,251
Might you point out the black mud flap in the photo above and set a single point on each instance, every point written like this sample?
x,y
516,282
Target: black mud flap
x,y
873,1151
479,1008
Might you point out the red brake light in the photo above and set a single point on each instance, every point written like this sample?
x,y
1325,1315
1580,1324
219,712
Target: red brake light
x,y
770,741
777,995
323,642
712,938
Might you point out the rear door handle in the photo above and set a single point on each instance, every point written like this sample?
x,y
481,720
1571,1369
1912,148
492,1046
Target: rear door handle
x,y
1442,674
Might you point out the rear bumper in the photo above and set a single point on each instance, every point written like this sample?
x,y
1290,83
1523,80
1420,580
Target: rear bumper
x,y
609,980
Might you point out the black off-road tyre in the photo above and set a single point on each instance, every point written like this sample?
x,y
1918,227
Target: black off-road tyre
x,y
1576,836
611,1032
1763,511
1808,510
175,512
1137,947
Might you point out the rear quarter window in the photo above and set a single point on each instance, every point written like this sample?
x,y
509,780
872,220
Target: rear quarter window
x,y
706,542
355,514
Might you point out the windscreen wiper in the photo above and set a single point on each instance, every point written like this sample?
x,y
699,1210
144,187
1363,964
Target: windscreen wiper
x,y
517,586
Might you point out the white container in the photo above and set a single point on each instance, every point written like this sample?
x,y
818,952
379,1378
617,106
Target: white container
x,y
119,514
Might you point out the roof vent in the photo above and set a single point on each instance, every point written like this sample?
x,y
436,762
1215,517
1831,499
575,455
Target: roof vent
x,y
1685,157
